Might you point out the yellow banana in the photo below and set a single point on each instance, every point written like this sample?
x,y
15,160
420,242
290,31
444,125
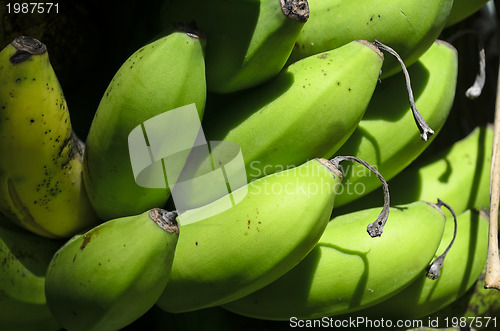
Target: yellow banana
x,y
41,185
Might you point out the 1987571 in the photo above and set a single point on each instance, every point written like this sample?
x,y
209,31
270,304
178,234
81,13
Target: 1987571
x,y
32,7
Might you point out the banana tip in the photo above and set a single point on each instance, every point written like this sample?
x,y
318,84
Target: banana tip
x,y
165,219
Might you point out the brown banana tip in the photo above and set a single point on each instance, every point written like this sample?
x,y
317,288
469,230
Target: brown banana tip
x,y
26,47
167,220
295,9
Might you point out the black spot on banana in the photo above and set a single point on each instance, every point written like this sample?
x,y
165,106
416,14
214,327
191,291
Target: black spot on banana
x,y
41,185
111,275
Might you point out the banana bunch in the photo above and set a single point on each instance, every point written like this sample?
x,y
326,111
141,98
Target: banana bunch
x,y
213,180
41,187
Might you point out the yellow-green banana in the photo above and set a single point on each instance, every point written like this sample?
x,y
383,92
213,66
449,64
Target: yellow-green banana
x,y
386,137
462,9
348,271
462,267
41,186
24,258
459,174
248,42
309,110
163,75
410,27
241,249
108,277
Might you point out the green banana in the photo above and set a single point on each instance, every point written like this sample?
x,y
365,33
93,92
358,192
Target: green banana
x,y
347,271
165,74
108,277
464,264
385,136
410,27
462,9
248,41
41,185
460,173
24,258
241,249
307,111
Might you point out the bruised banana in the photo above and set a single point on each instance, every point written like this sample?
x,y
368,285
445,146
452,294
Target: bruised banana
x,y
462,9
248,42
108,277
460,174
409,26
24,258
163,75
309,110
241,249
385,136
348,271
41,186
464,264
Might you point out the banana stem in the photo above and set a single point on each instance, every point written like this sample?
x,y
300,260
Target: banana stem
x,y
492,279
425,130
434,269
376,228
